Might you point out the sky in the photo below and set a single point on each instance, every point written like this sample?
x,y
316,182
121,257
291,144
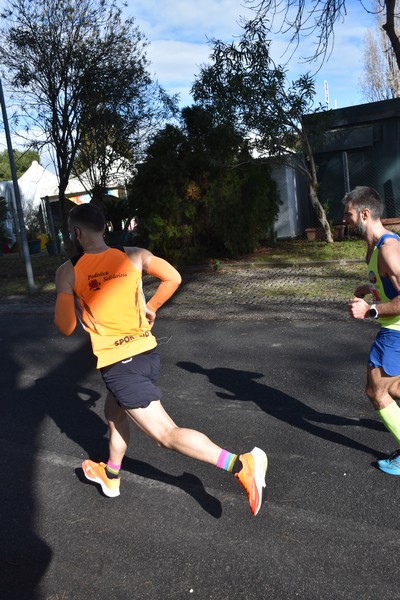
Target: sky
x,y
179,32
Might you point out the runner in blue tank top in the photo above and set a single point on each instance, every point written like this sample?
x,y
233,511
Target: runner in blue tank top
x,y
362,214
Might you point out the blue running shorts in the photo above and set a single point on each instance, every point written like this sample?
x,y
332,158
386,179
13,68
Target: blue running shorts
x,y
133,381
385,351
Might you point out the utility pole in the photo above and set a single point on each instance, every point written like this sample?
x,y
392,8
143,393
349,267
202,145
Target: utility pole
x,y
22,232
326,93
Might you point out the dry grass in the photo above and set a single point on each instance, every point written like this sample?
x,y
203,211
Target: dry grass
x,y
13,273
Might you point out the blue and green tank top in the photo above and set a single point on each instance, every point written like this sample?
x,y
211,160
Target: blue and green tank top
x,y
382,288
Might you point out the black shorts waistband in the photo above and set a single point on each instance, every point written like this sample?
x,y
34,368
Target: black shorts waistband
x,y
108,367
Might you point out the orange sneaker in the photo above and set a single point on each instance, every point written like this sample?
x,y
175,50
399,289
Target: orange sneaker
x,y
252,476
96,472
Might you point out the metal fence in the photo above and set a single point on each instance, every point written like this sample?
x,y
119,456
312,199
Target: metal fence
x,y
338,173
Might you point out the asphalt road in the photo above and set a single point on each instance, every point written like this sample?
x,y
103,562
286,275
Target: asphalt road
x,y
329,525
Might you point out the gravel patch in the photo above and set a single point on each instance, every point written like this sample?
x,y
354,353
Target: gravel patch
x,y
306,293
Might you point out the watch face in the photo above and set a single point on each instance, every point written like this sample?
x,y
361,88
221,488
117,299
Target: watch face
x,y
373,313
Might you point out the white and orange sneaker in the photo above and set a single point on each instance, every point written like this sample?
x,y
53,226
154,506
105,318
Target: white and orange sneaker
x,y
252,476
96,472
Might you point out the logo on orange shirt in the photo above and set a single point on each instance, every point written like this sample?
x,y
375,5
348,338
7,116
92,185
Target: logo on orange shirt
x,y
94,285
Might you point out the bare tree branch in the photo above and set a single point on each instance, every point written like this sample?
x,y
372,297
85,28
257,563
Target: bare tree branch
x,y
318,18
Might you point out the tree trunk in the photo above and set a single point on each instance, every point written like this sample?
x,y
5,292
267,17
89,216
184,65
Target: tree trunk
x,y
389,28
320,212
64,219
312,182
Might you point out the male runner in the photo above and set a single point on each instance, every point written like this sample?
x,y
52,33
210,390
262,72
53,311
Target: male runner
x,y
363,210
107,285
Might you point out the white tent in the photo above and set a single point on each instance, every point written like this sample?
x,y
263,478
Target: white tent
x,y
36,183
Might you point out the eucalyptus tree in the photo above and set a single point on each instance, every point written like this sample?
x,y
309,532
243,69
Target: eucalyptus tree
x,y
243,86
67,61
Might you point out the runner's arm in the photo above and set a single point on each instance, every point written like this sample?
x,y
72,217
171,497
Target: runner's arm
x,y
170,280
64,313
146,262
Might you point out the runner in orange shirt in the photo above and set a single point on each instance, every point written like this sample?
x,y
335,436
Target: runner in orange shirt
x,y
102,286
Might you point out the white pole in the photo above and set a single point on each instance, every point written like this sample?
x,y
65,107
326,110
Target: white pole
x,y
326,92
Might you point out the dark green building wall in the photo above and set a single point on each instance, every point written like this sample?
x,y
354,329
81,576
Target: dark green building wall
x,y
360,146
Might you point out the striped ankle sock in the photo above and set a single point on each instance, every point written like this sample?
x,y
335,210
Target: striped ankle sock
x,y
112,471
226,460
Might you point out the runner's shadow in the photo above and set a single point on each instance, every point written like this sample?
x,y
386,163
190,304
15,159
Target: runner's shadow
x,y
186,482
74,414
189,483
242,386
24,555
62,391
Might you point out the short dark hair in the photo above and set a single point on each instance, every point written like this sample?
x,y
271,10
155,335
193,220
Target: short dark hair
x,y
363,196
88,216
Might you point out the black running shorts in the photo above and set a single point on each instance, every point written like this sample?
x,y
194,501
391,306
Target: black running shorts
x,y
133,381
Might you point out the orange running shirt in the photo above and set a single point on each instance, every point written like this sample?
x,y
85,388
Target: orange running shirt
x,y
108,288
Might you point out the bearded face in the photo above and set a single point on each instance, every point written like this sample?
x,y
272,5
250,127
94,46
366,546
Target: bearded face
x,y
360,227
76,246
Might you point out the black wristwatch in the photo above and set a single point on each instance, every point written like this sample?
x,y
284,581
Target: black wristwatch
x,y
373,312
